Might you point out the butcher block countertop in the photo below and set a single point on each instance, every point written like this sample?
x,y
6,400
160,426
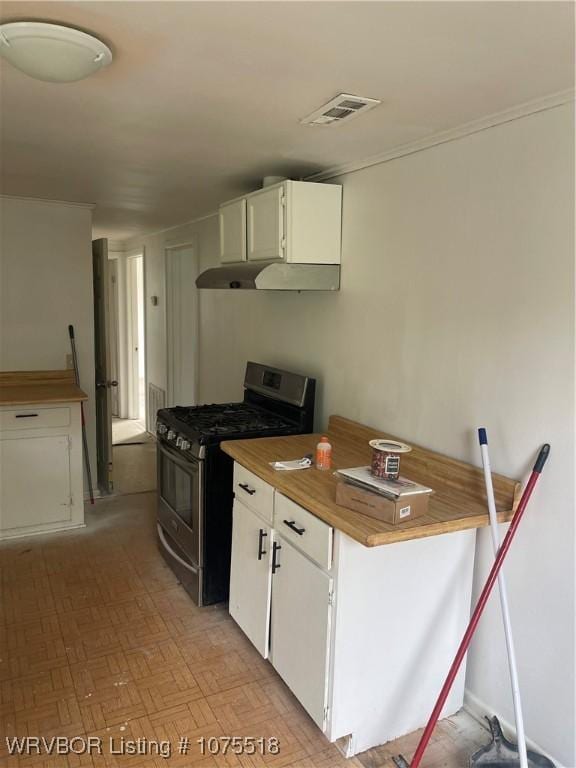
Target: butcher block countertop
x,y
458,502
38,387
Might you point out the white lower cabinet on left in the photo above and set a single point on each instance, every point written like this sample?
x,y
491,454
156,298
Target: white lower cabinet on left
x,y
251,575
40,469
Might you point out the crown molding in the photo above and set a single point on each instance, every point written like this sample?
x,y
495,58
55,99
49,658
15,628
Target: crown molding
x,y
44,201
475,126
152,233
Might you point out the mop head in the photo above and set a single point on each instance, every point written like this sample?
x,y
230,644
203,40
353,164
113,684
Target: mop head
x,y
501,753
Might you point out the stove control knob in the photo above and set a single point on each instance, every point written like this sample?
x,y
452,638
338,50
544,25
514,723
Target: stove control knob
x,y
161,429
184,445
171,434
178,441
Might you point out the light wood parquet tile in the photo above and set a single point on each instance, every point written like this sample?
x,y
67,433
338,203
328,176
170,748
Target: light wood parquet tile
x,y
41,656
55,718
158,577
26,693
56,761
146,660
168,688
27,600
229,671
97,638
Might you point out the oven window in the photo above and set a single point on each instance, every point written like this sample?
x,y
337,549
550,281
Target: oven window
x,y
179,488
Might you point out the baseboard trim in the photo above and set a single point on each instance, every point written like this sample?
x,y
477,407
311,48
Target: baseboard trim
x,y
479,710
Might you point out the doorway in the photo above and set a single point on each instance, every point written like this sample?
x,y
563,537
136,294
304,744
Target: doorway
x,y
181,325
134,447
129,423
136,340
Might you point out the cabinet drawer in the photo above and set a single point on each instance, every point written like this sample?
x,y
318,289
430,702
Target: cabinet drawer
x,y
306,531
254,492
29,417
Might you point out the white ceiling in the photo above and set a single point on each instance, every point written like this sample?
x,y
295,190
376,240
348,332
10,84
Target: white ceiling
x,y
204,98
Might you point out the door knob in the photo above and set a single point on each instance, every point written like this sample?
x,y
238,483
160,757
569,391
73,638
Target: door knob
x,y
102,384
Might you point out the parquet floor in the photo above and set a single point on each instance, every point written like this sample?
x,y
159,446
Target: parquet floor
x,y
97,639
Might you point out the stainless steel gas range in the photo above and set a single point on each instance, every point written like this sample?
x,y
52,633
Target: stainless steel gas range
x,y
195,477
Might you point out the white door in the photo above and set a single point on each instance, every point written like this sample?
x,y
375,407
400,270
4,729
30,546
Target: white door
x,y
35,482
300,628
266,226
104,383
250,576
181,325
233,232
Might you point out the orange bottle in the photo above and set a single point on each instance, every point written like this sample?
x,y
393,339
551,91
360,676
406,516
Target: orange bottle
x,y
323,454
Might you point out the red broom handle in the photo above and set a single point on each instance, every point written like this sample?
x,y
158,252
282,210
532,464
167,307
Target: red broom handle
x,y
425,738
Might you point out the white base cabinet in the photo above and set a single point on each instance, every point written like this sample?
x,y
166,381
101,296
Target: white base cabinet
x,y
40,469
251,575
300,628
362,636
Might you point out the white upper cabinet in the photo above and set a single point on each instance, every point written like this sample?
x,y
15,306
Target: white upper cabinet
x,y
298,222
266,225
233,232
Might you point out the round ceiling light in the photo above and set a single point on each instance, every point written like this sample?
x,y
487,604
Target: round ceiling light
x,y
51,52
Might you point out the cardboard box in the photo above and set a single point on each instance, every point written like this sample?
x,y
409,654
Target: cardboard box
x,y
374,505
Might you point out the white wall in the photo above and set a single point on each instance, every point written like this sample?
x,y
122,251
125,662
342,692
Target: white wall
x,y
46,285
456,310
203,238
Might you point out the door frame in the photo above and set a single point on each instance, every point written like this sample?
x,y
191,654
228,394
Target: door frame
x,y
131,362
104,460
169,251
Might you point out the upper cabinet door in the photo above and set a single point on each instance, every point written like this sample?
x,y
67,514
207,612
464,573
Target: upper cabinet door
x,y
266,225
233,232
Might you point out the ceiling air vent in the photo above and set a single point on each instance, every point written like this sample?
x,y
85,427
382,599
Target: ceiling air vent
x,y
341,108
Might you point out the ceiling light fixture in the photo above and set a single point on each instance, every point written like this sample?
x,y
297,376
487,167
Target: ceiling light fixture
x,y
51,52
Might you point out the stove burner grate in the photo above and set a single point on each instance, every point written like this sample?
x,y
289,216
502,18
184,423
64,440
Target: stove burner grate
x,y
229,418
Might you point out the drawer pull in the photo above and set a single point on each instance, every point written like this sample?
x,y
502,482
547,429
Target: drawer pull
x,y
246,487
292,525
275,548
26,415
261,536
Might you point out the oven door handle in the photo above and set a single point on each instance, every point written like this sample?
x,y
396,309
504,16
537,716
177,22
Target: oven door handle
x,y
189,465
169,549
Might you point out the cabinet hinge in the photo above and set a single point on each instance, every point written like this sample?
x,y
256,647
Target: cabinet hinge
x,y
283,243
331,597
71,500
326,712
283,201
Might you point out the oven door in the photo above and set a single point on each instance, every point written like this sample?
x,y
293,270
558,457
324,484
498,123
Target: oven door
x,y
180,501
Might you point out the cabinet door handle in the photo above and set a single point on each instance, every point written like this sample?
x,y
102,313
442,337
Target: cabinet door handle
x,y
246,487
275,548
261,536
26,415
292,525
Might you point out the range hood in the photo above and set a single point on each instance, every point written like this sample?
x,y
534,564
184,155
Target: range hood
x,y
273,277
